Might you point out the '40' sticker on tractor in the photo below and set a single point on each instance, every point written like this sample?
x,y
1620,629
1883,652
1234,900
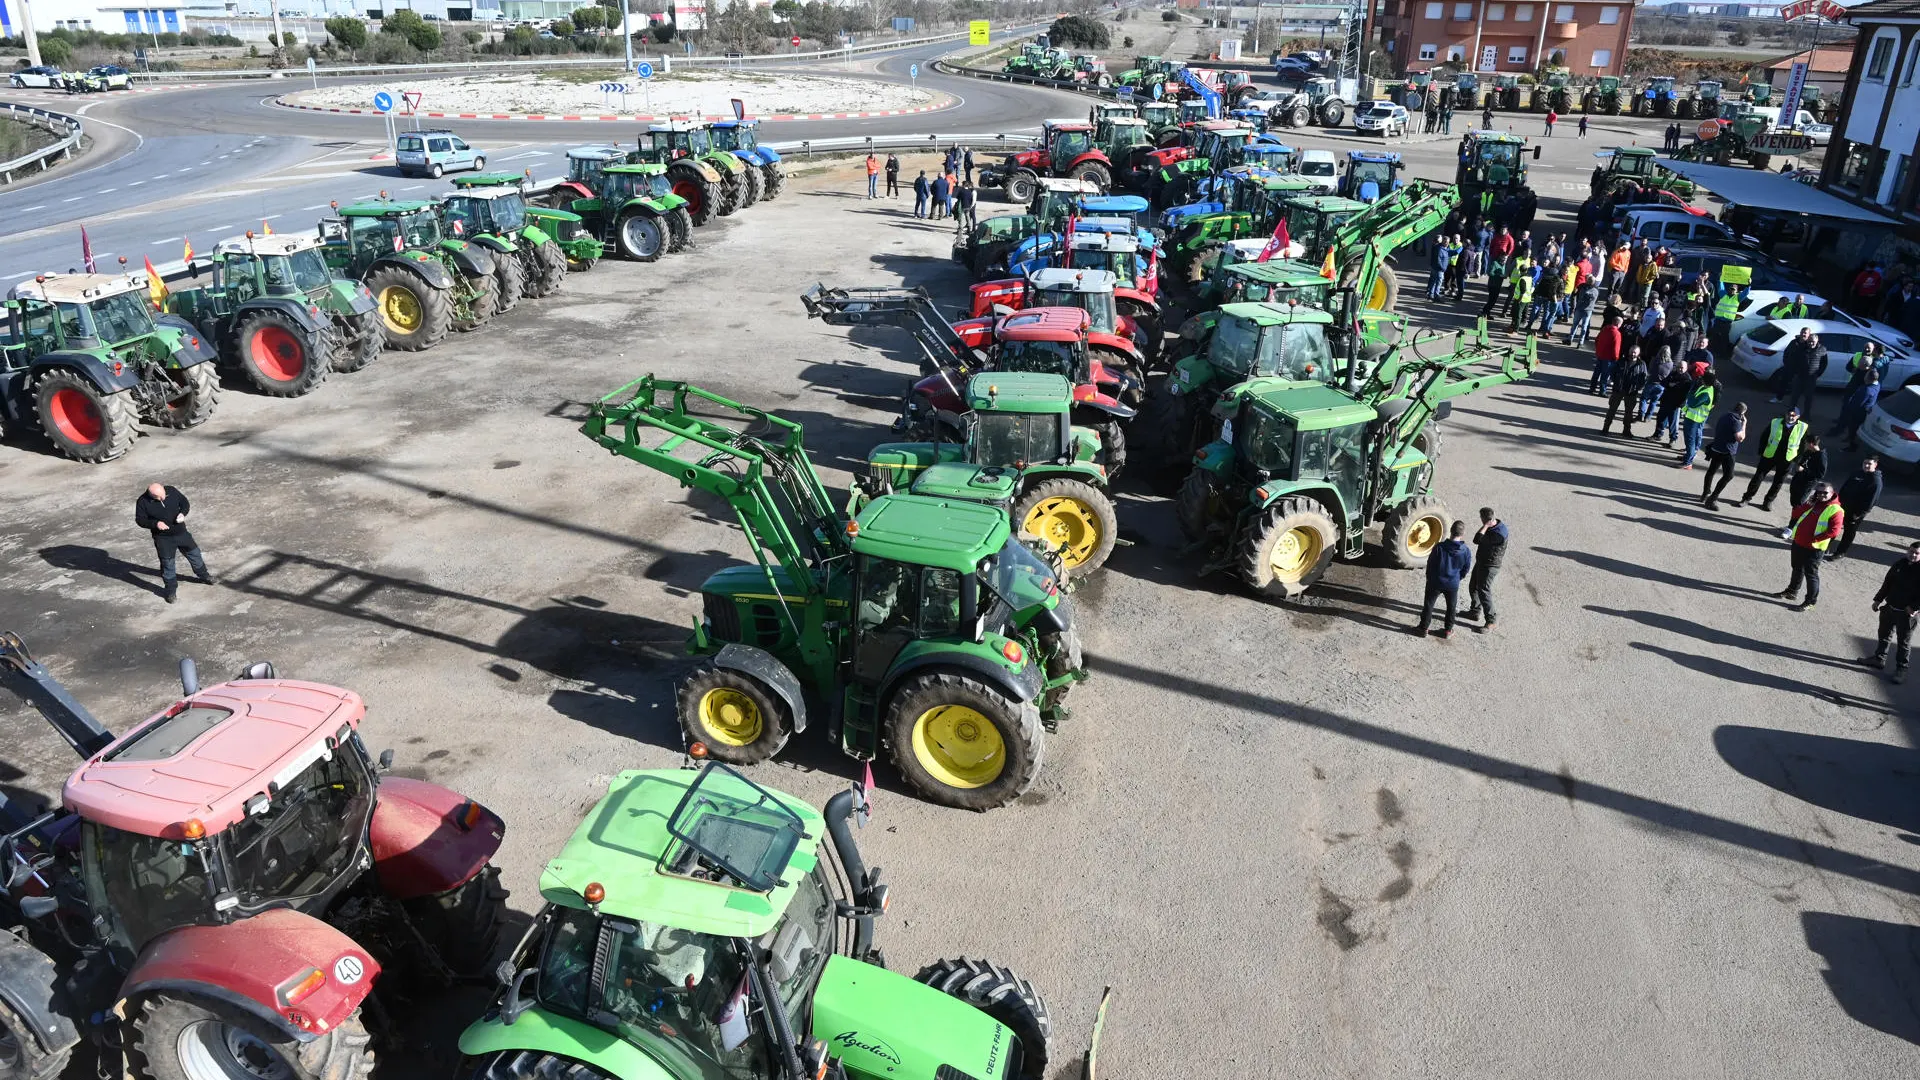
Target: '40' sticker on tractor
x,y
348,970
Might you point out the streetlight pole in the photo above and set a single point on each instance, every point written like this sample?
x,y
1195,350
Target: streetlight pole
x,y
33,39
279,39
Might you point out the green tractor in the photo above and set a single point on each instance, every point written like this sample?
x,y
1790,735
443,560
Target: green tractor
x,y
1250,206
1162,117
492,211
279,318
1554,94
1505,95
696,927
605,206
423,282
920,625
85,358
1622,165
1304,467
1491,166
1603,97
1022,455
1703,102
1026,60
712,181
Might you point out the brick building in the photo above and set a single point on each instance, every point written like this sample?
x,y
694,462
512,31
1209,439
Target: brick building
x,y
1494,36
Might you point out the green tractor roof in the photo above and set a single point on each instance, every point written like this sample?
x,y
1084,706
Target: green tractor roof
x,y
1633,151
1313,406
641,169
1327,204
489,179
676,125
1265,314
1019,392
643,844
489,193
1280,272
383,209
79,288
930,532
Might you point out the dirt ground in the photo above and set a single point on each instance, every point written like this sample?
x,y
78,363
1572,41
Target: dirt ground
x,y
1656,825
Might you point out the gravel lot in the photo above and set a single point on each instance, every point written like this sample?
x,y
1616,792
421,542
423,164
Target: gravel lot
x,y
1657,825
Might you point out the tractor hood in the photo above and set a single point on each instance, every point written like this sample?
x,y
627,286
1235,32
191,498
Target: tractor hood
x,y
881,1024
345,297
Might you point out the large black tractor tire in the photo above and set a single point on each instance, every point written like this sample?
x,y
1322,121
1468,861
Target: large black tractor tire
x,y
355,342
1006,997
275,355
21,1056
1161,431
732,190
702,195
198,392
1333,113
1198,507
1297,117
413,315
1413,529
736,716
509,282
1284,551
1386,290
641,236
1113,444
962,743
84,423
1094,172
680,229
24,1053
480,308
1074,518
194,1038
1020,187
532,1065
750,186
463,924
772,180
546,270
1064,655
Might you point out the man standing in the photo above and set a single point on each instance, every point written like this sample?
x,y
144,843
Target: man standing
x,y
1722,453
963,216
1858,495
1693,417
1606,354
942,192
1584,298
1491,542
162,511
1897,601
1446,565
893,175
1583,126
1815,524
1780,450
966,159
1628,384
1551,117
1442,262
873,177
1854,412
1800,390
922,190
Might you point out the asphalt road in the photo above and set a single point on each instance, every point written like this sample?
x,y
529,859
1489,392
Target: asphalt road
x,y
1656,826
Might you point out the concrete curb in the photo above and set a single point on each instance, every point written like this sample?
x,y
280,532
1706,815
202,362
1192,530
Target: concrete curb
x,y
942,101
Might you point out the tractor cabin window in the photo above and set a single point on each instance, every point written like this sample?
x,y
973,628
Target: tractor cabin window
x,y
1006,438
1268,442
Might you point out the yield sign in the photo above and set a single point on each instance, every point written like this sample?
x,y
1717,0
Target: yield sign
x,y
412,98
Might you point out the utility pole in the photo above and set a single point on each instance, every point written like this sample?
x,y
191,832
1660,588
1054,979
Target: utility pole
x,y
626,31
33,39
280,40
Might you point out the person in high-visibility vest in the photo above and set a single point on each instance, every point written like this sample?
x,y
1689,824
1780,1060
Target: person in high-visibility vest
x,y
1522,293
1693,417
1780,450
1784,308
1813,525
1869,357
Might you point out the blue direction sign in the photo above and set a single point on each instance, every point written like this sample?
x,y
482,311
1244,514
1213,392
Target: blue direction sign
x,y
913,72
643,69
383,101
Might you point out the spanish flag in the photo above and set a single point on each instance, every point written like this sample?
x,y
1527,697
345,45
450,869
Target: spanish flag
x,y
1326,267
267,227
156,287
187,255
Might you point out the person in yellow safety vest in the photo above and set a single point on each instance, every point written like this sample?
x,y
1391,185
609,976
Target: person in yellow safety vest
x,y
1725,310
1784,308
1522,269
1693,417
1728,305
1522,294
1869,357
1815,524
1781,450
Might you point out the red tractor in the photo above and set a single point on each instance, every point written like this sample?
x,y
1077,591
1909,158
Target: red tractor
x,y
1066,149
222,888
1115,337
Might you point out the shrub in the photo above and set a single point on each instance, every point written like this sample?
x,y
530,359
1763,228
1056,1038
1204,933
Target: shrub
x,y
1079,30
393,49
350,32
662,32
1169,16
1126,43
55,51
418,32
591,18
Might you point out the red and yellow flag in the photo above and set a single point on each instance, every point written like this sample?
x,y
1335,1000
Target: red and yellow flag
x,y
1326,267
187,255
267,229
156,287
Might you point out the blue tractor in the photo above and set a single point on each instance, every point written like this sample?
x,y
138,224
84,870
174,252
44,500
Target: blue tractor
x,y
741,139
1370,174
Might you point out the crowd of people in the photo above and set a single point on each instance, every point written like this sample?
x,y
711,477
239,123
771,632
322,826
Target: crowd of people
x,y
948,194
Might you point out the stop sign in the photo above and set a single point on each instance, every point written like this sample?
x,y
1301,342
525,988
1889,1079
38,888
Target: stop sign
x,y
796,42
1708,130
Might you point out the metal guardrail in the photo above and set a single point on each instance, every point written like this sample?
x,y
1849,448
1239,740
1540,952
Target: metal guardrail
x,y
59,123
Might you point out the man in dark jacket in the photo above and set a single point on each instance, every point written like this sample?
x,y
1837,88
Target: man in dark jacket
x,y
942,196
1446,565
1858,496
922,189
162,511
1897,601
1491,540
1628,385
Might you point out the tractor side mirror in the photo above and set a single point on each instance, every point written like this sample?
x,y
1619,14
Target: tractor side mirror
x,y
38,907
189,677
386,760
1536,151
513,1006
259,670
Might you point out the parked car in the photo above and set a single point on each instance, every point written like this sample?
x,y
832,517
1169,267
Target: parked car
x,y
1754,306
1382,118
1690,259
1821,134
1761,352
1892,429
432,152
47,76
1651,199
1664,226
1319,167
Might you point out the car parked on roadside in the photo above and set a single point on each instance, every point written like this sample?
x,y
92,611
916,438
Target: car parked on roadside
x,y
1382,118
1664,226
433,152
1892,429
1704,256
1319,167
109,77
1755,304
46,75
1762,351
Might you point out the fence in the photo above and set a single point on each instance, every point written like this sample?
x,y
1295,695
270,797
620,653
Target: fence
x,y
68,127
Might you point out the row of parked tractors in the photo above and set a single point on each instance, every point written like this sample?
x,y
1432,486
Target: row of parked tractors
x,y
1660,95
88,358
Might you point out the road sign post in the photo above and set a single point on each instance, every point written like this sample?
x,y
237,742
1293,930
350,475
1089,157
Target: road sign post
x,y
913,74
312,74
645,71
383,104
795,41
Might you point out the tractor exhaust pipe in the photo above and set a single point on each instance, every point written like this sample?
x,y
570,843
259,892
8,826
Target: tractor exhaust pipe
x,y
189,677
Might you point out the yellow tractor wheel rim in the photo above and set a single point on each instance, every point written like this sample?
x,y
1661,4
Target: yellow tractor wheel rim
x,y
1296,552
1425,534
1069,525
1378,301
959,747
730,717
401,309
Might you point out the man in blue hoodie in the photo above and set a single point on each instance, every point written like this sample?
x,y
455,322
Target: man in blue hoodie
x,y
1491,541
1446,565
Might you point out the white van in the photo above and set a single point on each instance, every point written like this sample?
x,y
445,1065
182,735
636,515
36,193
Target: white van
x,y
1673,226
1319,167
1801,119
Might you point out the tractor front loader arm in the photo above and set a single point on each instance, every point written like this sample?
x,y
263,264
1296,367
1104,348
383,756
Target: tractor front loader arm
x,y
1428,382
1364,241
909,309
754,460
41,690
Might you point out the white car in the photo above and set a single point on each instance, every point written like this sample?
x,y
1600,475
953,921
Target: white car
x,y
1821,134
1382,118
1893,428
36,76
1761,352
1754,306
1319,167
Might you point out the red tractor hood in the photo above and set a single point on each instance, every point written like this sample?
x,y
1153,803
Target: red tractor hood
x,y
422,842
